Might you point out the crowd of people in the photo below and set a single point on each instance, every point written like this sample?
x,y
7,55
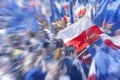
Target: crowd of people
x,y
37,56
40,55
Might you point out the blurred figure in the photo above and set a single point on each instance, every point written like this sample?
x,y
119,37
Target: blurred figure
x,y
77,64
53,73
43,35
48,51
32,41
38,69
6,68
68,70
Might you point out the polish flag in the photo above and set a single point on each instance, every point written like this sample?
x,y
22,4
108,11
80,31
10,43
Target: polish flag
x,y
80,34
92,72
113,42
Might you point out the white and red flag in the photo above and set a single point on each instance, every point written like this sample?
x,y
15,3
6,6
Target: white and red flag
x,y
80,34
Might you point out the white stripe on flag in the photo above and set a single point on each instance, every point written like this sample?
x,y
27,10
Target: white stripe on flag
x,y
75,29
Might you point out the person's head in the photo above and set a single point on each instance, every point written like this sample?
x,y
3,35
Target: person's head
x,y
58,54
43,35
48,47
70,51
6,64
59,43
31,34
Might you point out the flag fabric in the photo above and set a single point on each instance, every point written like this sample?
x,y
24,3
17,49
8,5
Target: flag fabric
x,y
89,10
46,9
52,10
99,18
55,12
112,16
112,13
92,51
107,62
80,34
34,26
21,20
71,11
113,42
62,11
92,73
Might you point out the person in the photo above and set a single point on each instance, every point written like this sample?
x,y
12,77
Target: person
x,y
58,54
77,68
48,51
6,67
68,70
39,69
53,73
32,41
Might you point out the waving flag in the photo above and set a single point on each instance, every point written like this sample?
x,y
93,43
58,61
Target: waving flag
x,y
92,72
62,11
113,11
112,16
71,12
113,42
89,10
107,62
80,34
55,12
99,18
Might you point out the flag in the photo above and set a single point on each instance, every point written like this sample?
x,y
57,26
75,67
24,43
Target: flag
x,y
112,16
92,72
55,12
99,18
62,11
92,51
113,42
89,10
71,12
94,47
46,9
34,26
112,13
80,34
107,62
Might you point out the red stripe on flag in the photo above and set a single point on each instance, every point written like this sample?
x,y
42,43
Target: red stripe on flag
x,y
92,77
111,44
85,38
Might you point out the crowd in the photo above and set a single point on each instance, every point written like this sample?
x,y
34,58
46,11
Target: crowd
x,y
41,55
37,56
